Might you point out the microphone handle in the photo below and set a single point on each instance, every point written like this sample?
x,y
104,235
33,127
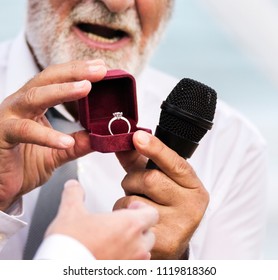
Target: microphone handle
x,y
184,147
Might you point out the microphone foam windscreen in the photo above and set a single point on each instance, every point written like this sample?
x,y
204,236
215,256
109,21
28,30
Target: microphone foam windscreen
x,y
194,98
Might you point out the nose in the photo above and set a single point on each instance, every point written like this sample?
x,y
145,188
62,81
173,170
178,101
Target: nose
x,y
118,6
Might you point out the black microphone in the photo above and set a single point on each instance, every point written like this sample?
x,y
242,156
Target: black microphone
x,y
185,118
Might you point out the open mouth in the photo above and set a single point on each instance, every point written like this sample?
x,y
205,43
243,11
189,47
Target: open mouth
x,y
102,34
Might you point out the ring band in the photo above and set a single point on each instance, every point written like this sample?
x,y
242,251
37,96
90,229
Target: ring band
x,y
118,116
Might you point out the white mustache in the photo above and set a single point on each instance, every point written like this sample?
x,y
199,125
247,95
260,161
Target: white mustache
x,y
97,13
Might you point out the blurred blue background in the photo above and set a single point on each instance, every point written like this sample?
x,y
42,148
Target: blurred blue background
x,y
227,45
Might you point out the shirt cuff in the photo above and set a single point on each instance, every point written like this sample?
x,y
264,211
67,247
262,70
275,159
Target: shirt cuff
x,y
62,247
9,225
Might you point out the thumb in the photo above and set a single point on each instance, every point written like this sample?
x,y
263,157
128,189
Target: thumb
x,y
132,160
81,146
145,213
137,205
73,196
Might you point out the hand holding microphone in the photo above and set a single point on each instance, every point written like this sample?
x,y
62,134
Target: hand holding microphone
x,y
169,183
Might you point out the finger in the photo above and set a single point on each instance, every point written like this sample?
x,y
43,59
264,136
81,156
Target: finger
x,y
35,101
28,131
149,240
137,205
92,70
80,148
148,256
131,160
73,191
124,202
153,184
72,196
170,163
147,215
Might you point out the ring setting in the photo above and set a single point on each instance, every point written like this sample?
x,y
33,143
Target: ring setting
x,y
116,117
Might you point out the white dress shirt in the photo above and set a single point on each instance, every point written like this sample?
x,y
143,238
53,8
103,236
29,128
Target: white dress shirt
x,y
230,161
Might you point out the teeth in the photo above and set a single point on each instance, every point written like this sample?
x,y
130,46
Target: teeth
x,y
97,38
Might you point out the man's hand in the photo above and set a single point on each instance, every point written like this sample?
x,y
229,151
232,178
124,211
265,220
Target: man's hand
x,y
124,234
29,148
175,191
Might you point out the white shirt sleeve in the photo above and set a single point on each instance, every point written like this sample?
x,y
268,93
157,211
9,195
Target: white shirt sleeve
x,y
62,247
54,247
10,223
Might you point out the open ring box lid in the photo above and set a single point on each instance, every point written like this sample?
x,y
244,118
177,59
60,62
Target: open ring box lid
x,y
115,93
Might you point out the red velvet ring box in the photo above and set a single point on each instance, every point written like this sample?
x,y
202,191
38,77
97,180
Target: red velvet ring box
x,y
115,93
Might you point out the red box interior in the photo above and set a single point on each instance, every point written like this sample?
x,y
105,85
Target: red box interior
x,y
115,93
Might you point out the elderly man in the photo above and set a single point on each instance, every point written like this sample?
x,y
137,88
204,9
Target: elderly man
x,y
69,44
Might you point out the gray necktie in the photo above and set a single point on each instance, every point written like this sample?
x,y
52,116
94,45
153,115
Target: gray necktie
x,y
50,193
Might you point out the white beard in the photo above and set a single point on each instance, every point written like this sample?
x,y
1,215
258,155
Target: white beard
x,y
53,41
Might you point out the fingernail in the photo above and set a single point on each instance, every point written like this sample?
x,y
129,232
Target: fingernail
x,y
136,205
143,137
70,183
66,141
95,68
80,84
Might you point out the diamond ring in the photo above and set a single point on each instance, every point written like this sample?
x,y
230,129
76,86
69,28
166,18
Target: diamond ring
x,y
118,116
